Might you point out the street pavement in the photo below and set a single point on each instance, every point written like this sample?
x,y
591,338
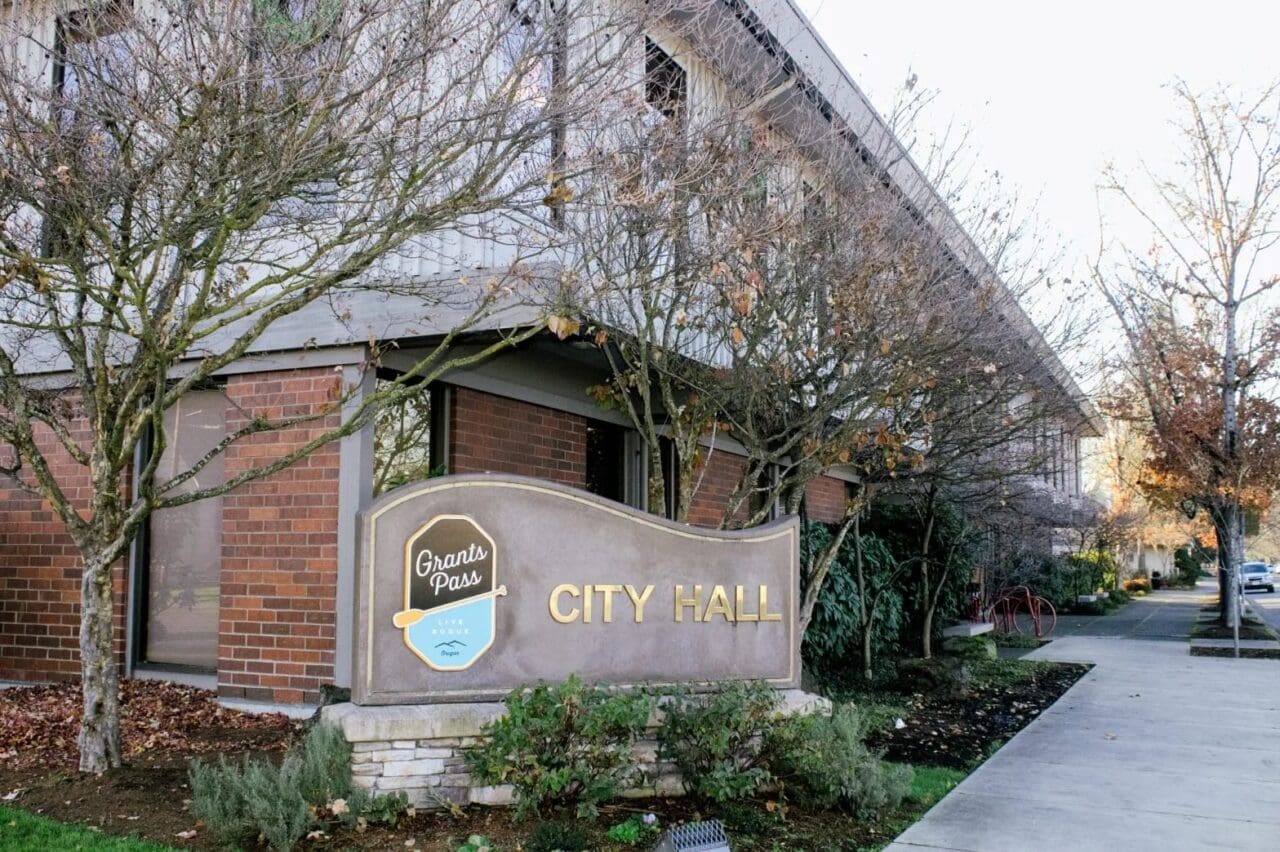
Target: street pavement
x,y
1267,606
1153,749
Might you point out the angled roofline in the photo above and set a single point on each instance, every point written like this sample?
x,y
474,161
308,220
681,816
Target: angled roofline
x,y
809,53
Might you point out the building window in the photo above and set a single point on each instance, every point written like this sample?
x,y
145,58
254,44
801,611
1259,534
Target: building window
x,y
184,543
408,437
91,46
607,460
666,83
533,49
91,49
1075,466
670,476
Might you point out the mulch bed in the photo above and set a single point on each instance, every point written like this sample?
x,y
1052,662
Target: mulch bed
x,y
1245,653
38,724
959,731
1249,629
165,726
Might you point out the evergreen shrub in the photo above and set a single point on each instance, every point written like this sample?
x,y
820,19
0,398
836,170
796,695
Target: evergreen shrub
x,y
280,803
563,745
716,739
823,761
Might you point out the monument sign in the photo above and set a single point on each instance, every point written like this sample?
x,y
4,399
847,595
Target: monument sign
x,y
470,586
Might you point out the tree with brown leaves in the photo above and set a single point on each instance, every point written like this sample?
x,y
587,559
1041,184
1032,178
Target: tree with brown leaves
x,y
1198,308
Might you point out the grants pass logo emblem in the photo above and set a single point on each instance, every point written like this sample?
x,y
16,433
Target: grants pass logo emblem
x,y
450,593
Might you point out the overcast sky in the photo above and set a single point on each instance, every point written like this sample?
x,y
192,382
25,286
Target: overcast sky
x,y
1054,92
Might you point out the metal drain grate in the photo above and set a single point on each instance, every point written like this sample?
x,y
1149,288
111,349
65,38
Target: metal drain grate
x,y
694,837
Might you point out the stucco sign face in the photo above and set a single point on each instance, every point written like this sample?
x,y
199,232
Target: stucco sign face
x,y
450,593
471,586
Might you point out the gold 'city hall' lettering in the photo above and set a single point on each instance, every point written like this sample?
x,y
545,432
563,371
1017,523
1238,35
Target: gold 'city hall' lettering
x,y
586,595
718,604
570,603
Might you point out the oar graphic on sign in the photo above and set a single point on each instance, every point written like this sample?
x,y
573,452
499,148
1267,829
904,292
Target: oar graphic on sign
x,y
406,618
449,618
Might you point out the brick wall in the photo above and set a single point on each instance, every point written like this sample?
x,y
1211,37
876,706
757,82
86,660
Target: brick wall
x,y
494,433
40,576
279,557
715,480
279,545
825,499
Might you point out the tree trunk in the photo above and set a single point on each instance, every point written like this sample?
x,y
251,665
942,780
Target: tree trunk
x,y
657,481
819,565
1228,534
99,675
867,659
926,587
685,487
866,614
926,633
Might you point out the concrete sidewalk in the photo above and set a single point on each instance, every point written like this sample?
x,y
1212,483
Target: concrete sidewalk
x,y
1129,759
1167,614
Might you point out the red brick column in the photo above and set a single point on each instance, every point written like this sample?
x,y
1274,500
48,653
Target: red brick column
x,y
279,544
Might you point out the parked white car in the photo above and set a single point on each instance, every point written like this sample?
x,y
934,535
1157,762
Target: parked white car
x,y
1257,575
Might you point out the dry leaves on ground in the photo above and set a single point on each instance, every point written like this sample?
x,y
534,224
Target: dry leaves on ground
x,y
39,724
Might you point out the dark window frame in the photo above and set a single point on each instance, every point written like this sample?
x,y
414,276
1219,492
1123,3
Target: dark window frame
x,y
438,402
666,82
555,15
621,467
139,592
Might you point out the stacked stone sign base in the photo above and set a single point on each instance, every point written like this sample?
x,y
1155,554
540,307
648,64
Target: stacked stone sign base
x,y
420,750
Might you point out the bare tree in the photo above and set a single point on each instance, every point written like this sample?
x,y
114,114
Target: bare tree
x,y
176,177
1198,309
643,267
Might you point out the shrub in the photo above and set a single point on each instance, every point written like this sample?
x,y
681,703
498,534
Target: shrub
x,y
715,739
562,745
557,836
636,829
833,642
1188,564
1138,584
825,760
477,843
970,647
1047,577
279,803
1089,608
748,817
1093,569
941,675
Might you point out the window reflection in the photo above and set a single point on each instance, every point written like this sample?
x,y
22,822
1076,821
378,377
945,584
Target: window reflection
x,y
186,541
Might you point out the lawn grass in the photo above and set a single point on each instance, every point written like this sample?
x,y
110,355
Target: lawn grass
x,y
928,786
931,783
988,673
24,832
